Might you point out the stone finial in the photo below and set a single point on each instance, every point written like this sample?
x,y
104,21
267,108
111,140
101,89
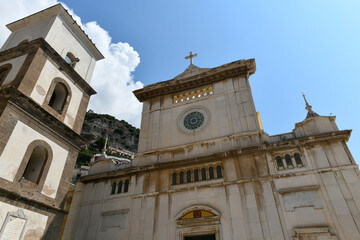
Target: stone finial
x,y
308,107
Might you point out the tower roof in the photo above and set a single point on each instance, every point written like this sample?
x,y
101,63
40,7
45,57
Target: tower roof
x,y
57,10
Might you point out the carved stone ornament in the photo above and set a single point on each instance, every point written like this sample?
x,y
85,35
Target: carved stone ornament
x,y
13,226
193,120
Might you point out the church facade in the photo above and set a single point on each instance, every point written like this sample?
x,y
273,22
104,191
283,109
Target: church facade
x,y
205,169
46,66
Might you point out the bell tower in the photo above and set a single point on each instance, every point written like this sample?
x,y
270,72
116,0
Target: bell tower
x,y
46,66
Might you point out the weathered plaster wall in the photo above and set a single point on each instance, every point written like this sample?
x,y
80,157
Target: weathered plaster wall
x,y
35,226
38,94
13,154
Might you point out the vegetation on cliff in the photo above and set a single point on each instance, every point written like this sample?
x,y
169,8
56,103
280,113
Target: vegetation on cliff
x,y
121,135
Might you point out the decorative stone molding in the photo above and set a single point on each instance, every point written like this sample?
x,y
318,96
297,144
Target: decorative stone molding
x,y
313,233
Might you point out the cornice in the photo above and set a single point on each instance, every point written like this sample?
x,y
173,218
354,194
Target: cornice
x,y
255,149
63,65
237,68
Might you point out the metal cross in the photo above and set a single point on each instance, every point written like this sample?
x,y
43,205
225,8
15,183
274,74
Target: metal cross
x,y
191,56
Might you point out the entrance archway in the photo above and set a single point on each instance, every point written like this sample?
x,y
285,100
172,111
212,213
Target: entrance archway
x,y
198,222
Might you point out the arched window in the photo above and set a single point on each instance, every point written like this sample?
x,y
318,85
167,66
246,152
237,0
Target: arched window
x,y
113,188
196,175
181,181
174,178
71,59
218,172
203,174
126,186
288,161
188,176
279,162
36,164
211,172
120,187
298,160
4,71
175,99
58,97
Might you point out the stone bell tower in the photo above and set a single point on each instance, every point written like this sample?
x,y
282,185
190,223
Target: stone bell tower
x,y
46,66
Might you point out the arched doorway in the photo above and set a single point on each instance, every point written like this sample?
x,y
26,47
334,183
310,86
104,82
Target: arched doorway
x,y
198,223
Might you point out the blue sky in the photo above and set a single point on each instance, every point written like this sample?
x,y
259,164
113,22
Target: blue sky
x,y
299,46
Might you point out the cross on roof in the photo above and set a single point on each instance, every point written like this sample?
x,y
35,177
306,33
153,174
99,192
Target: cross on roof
x,y
191,56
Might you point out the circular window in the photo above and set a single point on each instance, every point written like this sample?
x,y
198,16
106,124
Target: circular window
x,y
193,120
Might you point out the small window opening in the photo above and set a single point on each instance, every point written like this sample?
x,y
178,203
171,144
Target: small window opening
x,y
113,188
126,186
288,161
218,172
187,96
175,99
188,176
298,160
36,164
120,187
181,180
203,174
211,91
279,162
198,93
204,92
71,59
196,175
192,94
174,179
211,172
58,97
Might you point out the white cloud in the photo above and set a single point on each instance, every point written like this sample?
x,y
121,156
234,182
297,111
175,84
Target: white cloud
x,y
112,77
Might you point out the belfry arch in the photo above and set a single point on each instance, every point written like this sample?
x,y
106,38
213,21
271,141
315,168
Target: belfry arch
x,y
198,222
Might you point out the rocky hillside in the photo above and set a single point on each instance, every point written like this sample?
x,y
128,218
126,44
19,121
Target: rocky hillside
x,y
121,135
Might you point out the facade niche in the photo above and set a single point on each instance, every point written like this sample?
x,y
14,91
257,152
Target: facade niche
x,y
4,71
59,97
36,164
